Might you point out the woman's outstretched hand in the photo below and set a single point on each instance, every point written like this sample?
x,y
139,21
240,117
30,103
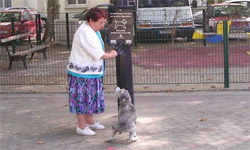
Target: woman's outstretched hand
x,y
110,54
113,53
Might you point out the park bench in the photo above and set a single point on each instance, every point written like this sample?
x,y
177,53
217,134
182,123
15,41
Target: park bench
x,y
21,56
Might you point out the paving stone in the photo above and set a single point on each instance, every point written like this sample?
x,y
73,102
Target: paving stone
x,y
165,121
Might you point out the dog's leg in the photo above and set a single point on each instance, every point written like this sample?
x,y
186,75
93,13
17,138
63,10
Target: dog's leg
x,y
111,138
132,135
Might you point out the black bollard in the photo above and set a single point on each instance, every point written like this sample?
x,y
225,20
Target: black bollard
x,y
122,42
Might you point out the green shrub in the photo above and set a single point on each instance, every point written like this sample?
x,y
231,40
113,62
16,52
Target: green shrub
x,y
210,2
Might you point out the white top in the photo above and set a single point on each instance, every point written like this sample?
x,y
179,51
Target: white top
x,y
86,52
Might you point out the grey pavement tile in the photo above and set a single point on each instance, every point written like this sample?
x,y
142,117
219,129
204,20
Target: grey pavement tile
x,y
205,147
243,146
165,121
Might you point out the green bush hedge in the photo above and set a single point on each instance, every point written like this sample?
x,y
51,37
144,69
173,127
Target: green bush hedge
x,y
210,2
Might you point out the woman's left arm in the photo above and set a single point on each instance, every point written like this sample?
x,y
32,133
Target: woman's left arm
x,y
110,54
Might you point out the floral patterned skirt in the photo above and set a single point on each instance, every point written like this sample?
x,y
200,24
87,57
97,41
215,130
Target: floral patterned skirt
x,y
85,95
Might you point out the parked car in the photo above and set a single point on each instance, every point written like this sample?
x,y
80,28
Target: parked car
x,y
23,22
33,12
77,15
82,17
225,11
245,3
164,19
198,18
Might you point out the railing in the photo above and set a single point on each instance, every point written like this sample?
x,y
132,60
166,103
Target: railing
x,y
156,58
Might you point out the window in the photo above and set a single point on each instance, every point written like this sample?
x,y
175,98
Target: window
x,y
26,16
5,3
229,11
245,4
74,2
7,17
162,3
1,3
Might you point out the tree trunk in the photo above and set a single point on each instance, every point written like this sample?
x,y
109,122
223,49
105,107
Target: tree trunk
x,y
174,27
53,10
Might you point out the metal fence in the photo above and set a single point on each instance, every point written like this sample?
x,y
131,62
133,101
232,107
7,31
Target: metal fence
x,y
156,59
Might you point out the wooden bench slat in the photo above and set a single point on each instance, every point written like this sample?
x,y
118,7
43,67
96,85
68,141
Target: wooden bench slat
x,y
23,54
14,37
29,51
38,47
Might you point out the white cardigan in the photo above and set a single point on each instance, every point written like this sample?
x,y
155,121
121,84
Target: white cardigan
x,y
86,52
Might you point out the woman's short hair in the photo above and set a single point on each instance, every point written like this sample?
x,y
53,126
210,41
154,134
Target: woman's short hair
x,y
95,14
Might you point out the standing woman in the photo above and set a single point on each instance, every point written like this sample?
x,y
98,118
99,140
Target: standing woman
x,y
85,72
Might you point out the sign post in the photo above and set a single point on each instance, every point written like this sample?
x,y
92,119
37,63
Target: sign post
x,y
121,23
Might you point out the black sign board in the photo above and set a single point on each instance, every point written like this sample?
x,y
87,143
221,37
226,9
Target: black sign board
x,y
121,24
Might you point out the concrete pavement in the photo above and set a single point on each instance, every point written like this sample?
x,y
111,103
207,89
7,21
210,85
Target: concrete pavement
x,y
204,120
143,88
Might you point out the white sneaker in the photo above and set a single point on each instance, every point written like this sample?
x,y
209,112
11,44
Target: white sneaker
x,y
86,131
96,126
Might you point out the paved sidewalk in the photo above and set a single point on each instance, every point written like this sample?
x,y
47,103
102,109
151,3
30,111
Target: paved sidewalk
x,y
155,88
168,121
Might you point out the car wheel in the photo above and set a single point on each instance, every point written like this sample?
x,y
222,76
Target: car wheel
x,y
211,29
190,38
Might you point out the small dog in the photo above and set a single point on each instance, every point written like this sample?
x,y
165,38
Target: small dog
x,y
126,116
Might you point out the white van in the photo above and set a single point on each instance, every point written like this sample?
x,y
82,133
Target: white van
x,y
165,17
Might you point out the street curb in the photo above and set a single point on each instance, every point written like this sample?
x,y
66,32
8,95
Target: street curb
x,y
139,92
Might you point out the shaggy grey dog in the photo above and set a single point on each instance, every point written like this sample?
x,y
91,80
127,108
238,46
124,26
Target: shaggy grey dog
x,y
126,116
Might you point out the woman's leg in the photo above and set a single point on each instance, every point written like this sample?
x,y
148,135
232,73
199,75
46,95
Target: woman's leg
x,y
92,124
82,128
81,121
89,118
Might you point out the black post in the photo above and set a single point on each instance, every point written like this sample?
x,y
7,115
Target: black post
x,y
39,29
226,64
12,26
37,38
135,26
67,27
13,33
204,25
124,64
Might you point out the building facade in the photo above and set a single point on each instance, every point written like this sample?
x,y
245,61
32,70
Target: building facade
x,y
71,5
4,4
65,5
